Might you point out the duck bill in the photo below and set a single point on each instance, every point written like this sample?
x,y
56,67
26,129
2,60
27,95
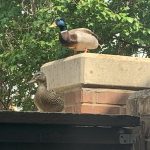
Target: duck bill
x,y
53,25
31,81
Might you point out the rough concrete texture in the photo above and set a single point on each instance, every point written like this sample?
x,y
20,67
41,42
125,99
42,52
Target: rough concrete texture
x,y
138,103
98,70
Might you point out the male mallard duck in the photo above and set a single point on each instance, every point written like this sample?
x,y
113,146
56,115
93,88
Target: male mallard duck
x,y
46,101
79,39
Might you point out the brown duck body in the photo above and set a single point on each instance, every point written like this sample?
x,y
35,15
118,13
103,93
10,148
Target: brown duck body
x,y
79,39
48,101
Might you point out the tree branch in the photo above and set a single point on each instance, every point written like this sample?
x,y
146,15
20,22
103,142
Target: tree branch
x,y
3,104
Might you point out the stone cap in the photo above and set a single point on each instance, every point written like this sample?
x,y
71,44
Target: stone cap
x,y
98,70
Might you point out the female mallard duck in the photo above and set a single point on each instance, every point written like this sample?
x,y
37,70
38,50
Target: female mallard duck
x,y
46,101
79,39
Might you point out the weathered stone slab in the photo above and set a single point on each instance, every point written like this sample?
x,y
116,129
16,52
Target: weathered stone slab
x,y
138,103
98,70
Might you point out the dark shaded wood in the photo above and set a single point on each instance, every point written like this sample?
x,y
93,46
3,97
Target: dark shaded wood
x,y
21,133
146,130
69,119
65,131
44,146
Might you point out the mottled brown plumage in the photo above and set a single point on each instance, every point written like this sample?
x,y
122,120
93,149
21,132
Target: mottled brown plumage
x,y
46,101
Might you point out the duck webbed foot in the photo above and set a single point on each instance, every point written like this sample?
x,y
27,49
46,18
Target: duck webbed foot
x,y
85,50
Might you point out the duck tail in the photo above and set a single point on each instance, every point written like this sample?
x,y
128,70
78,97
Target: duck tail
x,y
99,40
100,46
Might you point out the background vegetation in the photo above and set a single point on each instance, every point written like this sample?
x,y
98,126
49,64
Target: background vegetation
x,y
26,41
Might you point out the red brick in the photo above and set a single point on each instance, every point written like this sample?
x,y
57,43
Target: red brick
x,y
88,96
123,110
77,109
95,101
69,109
105,97
73,109
100,109
72,97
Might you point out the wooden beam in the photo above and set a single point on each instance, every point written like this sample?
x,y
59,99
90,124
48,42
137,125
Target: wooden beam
x,y
69,119
25,133
44,146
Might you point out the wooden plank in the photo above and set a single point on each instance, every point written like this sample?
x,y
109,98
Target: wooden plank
x,y
39,146
69,119
20,133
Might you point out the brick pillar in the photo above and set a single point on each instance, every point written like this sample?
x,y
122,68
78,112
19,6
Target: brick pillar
x,y
101,75
96,101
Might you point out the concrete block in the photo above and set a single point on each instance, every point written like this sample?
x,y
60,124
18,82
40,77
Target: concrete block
x,y
98,70
138,103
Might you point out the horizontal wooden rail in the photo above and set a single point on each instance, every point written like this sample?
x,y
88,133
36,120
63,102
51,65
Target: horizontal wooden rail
x,y
69,119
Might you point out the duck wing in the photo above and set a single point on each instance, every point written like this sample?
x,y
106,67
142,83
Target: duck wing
x,y
55,97
85,30
68,38
49,101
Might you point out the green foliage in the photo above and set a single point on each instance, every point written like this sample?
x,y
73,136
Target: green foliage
x,y
27,42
